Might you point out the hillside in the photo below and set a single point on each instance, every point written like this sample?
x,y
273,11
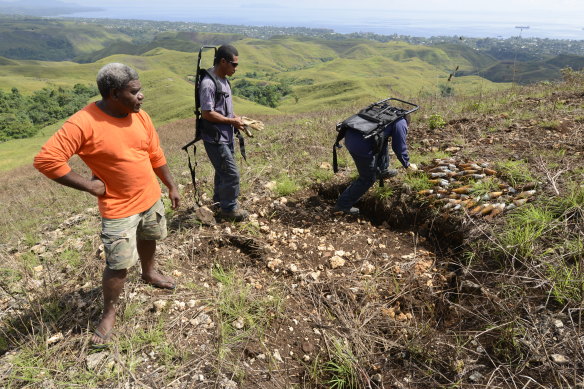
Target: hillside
x,y
90,40
53,40
420,292
533,71
335,71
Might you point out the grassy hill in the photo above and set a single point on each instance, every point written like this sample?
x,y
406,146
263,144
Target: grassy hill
x,y
53,40
321,74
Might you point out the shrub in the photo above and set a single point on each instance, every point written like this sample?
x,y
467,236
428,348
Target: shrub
x,y
436,121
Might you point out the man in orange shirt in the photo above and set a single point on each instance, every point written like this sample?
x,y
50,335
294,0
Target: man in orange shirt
x,y
118,142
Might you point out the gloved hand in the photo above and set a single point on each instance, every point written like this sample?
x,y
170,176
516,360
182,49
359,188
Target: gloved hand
x,y
412,167
251,124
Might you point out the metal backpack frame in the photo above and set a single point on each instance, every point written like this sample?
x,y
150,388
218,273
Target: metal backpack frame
x,y
198,118
199,121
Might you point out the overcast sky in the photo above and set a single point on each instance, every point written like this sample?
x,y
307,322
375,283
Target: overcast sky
x,y
331,13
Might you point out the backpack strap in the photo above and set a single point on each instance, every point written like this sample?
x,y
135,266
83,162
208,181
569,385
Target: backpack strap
x,y
342,131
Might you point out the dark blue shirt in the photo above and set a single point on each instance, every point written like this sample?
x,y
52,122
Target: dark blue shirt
x,y
362,147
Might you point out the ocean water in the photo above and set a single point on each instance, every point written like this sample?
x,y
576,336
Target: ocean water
x,y
380,22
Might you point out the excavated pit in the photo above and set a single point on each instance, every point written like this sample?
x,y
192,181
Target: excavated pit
x,y
447,233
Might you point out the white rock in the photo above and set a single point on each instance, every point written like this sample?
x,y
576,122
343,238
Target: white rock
x,y
93,360
277,356
55,338
274,263
335,262
559,359
38,249
239,323
367,268
228,384
475,377
558,323
179,305
159,305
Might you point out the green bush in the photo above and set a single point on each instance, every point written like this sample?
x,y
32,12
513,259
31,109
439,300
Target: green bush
x,y
436,121
262,92
23,116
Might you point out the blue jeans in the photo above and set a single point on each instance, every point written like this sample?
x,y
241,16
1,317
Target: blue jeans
x,y
368,168
226,188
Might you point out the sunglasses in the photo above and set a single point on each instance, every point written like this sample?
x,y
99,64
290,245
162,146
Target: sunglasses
x,y
234,64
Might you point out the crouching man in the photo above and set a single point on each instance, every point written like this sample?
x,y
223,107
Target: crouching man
x,y
371,166
118,142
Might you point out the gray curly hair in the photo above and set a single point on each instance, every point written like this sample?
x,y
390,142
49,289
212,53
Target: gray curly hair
x,y
114,76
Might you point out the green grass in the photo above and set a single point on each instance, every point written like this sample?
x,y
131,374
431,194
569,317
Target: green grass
x,y
239,305
485,186
516,172
384,192
567,279
426,158
341,370
417,181
524,229
285,185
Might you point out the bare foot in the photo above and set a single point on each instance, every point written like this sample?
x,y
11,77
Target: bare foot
x,y
158,280
103,331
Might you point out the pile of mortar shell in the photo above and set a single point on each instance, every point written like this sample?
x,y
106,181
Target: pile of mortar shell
x,y
459,187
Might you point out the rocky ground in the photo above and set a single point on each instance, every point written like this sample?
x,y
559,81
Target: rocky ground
x,y
299,294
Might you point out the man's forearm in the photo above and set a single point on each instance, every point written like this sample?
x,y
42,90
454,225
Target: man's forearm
x,y
215,117
73,180
163,172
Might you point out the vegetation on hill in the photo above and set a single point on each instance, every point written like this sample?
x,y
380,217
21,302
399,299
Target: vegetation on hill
x,y
51,39
23,116
292,74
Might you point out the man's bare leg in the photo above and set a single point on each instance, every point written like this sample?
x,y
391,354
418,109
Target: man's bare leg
x,y
112,284
146,251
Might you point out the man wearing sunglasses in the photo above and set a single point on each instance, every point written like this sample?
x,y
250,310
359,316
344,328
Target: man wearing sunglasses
x,y
217,110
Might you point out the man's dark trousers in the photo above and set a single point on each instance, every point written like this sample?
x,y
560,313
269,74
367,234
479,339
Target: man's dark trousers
x,y
222,157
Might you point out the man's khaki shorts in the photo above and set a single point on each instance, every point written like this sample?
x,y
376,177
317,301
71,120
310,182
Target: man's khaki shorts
x,y
119,235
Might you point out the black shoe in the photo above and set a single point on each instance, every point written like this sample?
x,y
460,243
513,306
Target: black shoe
x,y
351,211
388,173
236,215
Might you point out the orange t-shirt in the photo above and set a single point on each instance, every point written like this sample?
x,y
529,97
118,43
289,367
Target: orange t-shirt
x,y
121,152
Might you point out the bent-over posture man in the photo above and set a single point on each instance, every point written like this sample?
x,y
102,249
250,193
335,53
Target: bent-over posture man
x,y
370,165
118,142
218,131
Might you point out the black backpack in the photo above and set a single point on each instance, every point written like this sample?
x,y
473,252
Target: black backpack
x,y
371,121
205,126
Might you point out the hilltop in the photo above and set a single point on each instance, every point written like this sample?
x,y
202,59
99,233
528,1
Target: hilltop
x,y
416,293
